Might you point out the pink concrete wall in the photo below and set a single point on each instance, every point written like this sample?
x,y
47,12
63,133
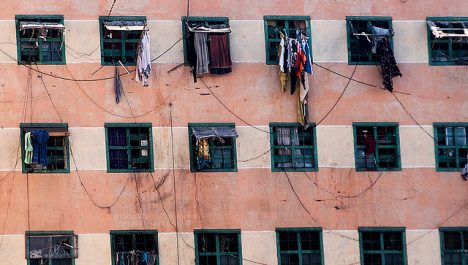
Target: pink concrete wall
x,y
437,94
254,199
240,9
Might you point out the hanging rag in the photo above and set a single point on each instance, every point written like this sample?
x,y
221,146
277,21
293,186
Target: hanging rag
x,y
202,52
464,172
379,35
191,54
117,86
28,148
203,153
389,67
39,143
220,55
143,69
281,53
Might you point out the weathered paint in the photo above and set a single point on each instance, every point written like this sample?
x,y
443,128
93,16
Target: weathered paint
x,y
341,247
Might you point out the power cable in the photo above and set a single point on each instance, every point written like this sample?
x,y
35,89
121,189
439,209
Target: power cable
x,y
139,199
298,198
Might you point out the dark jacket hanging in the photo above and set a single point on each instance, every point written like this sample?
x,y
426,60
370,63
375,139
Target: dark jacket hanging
x,y
39,142
388,64
220,55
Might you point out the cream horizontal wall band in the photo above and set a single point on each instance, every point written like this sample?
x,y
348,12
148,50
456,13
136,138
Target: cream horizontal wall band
x,y
89,147
329,41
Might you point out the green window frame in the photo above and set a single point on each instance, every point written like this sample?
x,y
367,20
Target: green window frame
x,y
451,147
32,49
51,247
454,245
124,242
272,36
362,53
222,150
119,45
209,21
299,246
58,148
382,245
446,51
298,153
129,147
218,247
385,136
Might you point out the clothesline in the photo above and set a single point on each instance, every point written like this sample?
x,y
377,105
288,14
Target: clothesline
x,y
209,30
288,38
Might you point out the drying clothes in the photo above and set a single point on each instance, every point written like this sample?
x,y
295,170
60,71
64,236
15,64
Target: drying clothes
x,y
389,68
464,172
370,145
39,143
117,86
220,56
203,153
308,64
281,53
28,148
380,34
284,81
143,69
201,50
192,55
303,111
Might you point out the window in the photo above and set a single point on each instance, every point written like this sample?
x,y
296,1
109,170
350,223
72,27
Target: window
x,y
363,34
218,247
129,147
293,147
207,22
454,245
451,146
447,40
129,246
382,246
302,246
48,147
212,147
51,248
377,146
120,37
40,39
288,24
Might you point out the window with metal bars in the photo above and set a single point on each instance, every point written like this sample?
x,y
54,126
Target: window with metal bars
x,y
362,46
447,40
49,155
51,248
301,246
382,246
212,152
129,147
376,146
40,39
135,247
120,37
454,245
218,247
293,147
451,146
286,24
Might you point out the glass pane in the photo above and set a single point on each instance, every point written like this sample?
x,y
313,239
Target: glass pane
x,y
289,259
288,241
387,157
394,259
452,259
449,136
207,260
206,242
460,136
393,241
123,243
311,259
372,259
228,243
371,240
118,159
310,240
386,135
229,260
146,243
452,240
117,136
62,262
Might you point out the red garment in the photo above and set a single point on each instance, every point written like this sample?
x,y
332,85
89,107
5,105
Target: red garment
x,y
300,63
220,56
370,145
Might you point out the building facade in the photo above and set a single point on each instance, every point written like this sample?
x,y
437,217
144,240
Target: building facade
x,y
220,171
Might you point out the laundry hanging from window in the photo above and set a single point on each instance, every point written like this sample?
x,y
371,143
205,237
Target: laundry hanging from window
x,y
208,49
210,142
136,257
448,41
143,67
295,64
